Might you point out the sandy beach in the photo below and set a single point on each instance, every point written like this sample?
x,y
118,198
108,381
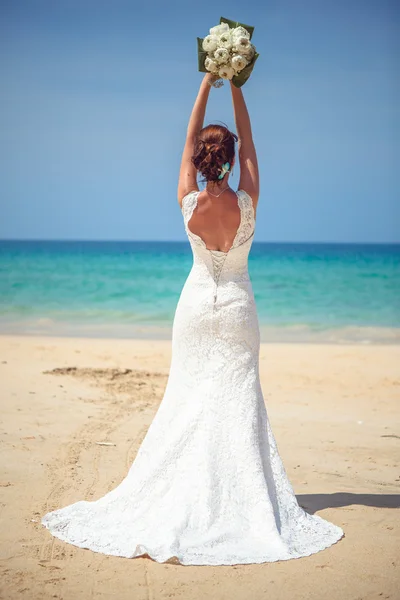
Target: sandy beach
x,y
334,412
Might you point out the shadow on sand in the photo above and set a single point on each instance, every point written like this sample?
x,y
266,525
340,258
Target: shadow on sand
x,y
312,503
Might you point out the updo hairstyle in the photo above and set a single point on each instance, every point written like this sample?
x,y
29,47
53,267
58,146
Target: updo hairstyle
x,y
214,147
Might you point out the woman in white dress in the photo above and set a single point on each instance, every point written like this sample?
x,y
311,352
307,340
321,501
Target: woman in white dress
x,y
207,486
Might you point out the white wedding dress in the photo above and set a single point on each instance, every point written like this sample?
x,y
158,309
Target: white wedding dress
x,y
207,486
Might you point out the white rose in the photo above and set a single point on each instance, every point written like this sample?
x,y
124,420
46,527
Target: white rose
x,y
248,54
225,40
242,45
210,43
211,65
219,29
239,62
239,32
226,72
221,55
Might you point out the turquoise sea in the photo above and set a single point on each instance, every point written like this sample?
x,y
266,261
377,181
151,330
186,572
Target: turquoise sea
x,y
336,293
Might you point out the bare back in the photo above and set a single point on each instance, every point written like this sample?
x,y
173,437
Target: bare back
x,y
216,220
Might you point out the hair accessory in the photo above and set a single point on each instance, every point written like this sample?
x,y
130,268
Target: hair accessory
x,y
224,170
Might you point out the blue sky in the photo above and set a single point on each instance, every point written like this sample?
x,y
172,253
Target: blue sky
x,y
95,98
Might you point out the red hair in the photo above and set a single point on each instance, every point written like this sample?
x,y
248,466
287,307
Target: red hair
x,y
214,147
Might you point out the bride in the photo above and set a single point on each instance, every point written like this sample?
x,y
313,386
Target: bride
x,y
207,486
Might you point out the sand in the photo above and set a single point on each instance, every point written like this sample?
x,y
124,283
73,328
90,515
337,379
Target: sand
x,y
334,411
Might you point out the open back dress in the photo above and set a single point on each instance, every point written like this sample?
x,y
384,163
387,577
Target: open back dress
x,y
207,485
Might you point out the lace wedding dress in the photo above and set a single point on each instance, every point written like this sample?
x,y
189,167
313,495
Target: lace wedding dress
x,y
207,485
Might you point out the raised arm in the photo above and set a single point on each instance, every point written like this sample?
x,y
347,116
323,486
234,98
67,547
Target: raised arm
x,y
188,173
249,178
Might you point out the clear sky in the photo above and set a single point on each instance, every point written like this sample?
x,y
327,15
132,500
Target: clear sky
x,y
95,98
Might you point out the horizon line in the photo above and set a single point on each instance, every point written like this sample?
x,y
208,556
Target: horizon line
x,y
113,241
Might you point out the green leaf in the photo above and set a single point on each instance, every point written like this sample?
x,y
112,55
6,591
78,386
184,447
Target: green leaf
x,y
201,55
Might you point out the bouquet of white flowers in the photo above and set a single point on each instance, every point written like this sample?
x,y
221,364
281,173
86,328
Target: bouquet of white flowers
x,y
227,52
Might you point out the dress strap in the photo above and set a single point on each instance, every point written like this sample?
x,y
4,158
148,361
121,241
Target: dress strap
x,y
247,225
188,205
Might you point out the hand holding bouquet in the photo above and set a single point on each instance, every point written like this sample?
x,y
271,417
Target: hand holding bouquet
x,y
227,52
